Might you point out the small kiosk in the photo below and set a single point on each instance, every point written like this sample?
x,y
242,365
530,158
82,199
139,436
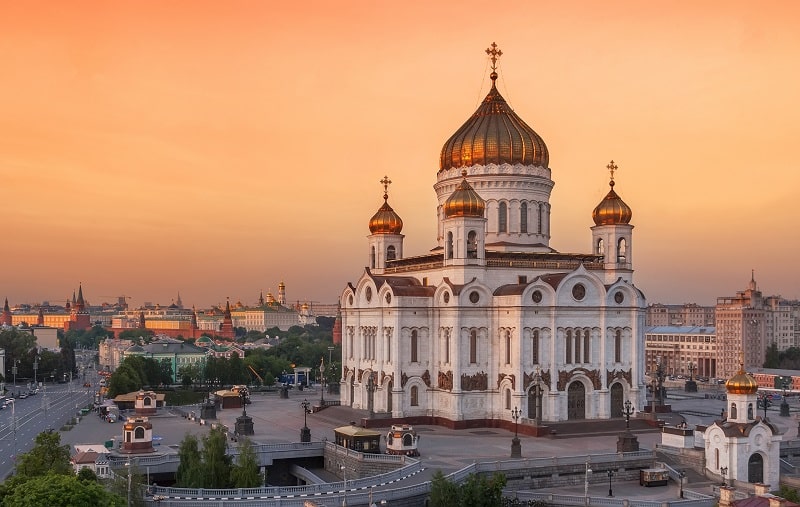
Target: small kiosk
x,y
653,477
402,439
358,439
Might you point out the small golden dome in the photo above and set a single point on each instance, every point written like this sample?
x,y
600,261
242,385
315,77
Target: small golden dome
x,y
612,210
741,383
494,134
465,201
385,220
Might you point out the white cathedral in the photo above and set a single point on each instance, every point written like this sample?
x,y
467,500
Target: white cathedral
x,y
464,334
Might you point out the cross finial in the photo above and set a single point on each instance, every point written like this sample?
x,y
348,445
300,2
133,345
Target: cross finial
x,y
611,168
494,53
386,182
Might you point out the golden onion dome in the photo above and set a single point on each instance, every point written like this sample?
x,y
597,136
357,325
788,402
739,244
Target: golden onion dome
x,y
741,383
494,134
612,210
465,201
385,220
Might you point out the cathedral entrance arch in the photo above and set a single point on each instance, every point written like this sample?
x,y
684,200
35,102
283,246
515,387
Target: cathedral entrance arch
x,y
617,395
755,468
532,403
576,401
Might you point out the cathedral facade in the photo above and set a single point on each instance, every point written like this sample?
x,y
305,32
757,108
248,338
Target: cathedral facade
x,y
493,318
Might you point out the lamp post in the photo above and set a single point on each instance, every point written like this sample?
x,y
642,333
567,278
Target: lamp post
x,y
14,371
784,403
586,484
128,466
660,378
322,380
344,475
628,412
723,471
35,369
516,448
305,432
610,475
681,475
765,403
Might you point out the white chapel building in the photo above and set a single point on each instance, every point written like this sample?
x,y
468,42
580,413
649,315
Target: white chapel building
x,y
461,335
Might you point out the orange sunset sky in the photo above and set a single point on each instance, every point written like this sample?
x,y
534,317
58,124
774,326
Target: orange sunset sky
x,y
217,148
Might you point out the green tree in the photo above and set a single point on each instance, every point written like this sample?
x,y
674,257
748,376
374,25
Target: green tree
x,y
475,491
216,462
56,490
87,474
789,493
190,465
244,473
124,380
137,336
773,357
47,456
237,370
443,492
189,374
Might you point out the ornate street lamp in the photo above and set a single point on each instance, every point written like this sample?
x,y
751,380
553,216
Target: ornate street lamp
x,y
516,448
305,432
723,471
610,475
681,475
322,380
628,412
586,484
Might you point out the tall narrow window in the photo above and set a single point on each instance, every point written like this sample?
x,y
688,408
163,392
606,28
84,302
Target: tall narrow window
x,y
535,346
523,217
586,351
502,217
414,346
388,346
372,257
508,399
449,245
568,343
539,218
414,396
734,415
391,254
618,346
601,248
621,251
578,346
473,347
508,347
447,346
472,245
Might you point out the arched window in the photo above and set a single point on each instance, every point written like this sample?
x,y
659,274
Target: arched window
x,y
138,433
473,347
502,217
601,248
523,217
508,399
539,218
390,253
621,250
472,245
733,411
716,458
577,346
568,343
586,343
414,345
618,346
750,412
508,347
449,245
447,346
414,396
372,257
535,346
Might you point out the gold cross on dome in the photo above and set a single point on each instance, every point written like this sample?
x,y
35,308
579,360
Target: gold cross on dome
x,y
385,182
611,168
495,53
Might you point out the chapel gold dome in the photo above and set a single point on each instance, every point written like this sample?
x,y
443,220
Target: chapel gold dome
x,y
385,220
612,210
494,134
741,383
464,202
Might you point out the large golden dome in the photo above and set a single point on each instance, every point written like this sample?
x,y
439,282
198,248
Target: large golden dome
x,y
494,135
741,383
465,201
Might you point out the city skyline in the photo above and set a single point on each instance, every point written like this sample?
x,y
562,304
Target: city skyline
x,y
148,149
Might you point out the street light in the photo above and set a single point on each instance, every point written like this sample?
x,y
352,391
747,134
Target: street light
x,y
516,448
305,432
14,371
322,380
344,472
610,475
128,466
628,412
681,475
586,484
723,471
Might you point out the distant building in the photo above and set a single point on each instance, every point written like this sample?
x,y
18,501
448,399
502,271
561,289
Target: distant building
x,y
688,314
679,346
176,352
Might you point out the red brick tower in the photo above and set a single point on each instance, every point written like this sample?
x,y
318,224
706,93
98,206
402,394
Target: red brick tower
x,y
227,323
79,316
5,318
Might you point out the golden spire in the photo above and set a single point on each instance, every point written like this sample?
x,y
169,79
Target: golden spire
x,y
385,220
385,182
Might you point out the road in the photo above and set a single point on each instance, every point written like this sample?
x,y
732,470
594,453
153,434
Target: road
x,y
53,407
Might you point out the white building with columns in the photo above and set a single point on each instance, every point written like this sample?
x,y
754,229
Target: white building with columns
x,y
461,335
